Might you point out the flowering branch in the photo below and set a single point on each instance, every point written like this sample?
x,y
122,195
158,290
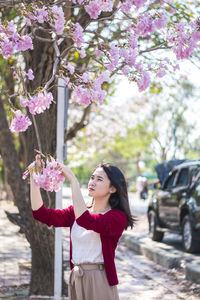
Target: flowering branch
x,y
114,51
37,133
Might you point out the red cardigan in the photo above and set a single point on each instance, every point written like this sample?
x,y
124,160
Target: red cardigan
x,y
109,225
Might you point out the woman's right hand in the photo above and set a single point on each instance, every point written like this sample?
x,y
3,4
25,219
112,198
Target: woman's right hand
x,y
67,172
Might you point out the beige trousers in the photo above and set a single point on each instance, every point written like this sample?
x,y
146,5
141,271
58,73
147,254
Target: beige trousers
x,y
89,282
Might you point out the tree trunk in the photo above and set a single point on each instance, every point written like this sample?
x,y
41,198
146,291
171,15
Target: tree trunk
x,y
40,237
42,242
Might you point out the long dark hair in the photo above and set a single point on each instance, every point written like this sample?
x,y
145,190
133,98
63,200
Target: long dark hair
x,y
119,199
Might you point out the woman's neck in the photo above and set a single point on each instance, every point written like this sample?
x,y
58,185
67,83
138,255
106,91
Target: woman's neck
x,y
100,206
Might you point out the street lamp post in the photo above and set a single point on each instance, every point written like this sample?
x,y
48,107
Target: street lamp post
x,y
62,106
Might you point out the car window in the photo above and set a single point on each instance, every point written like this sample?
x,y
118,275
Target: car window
x,y
183,177
170,181
195,174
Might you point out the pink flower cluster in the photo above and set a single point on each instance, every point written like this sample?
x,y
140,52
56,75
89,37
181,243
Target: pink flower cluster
x,y
147,24
78,34
183,41
95,7
54,15
91,91
50,178
127,4
38,103
11,40
59,19
20,123
121,55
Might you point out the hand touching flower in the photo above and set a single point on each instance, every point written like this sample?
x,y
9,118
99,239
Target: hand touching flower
x,y
46,172
67,172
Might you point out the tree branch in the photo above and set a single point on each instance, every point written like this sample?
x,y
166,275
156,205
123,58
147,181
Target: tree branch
x,y
71,133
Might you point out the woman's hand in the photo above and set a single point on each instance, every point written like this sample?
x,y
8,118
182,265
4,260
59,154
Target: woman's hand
x,y
36,165
67,172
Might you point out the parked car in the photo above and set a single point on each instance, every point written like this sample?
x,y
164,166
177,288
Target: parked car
x,y
175,206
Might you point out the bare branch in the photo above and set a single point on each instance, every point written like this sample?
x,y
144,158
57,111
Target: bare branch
x,y
98,35
71,133
37,133
66,50
155,48
54,65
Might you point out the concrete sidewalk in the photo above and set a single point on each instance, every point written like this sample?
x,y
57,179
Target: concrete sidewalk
x,y
169,254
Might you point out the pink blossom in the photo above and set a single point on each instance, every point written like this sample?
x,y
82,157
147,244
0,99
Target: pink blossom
x,y
139,67
94,9
11,28
78,34
67,82
176,67
144,26
139,3
28,21
42,15
144,81
111,66
160,73
196,36
59,19
124,53
7,48
125,70
160,22
50,178
23,101
30,74
133,41
98,52
70,68
106,5
104,77
133,53
83,96
85,77
24,43
40,102
82,53
20,123
126,5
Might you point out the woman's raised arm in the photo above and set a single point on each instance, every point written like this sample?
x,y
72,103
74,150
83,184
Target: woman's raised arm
x,y
77,198
36,199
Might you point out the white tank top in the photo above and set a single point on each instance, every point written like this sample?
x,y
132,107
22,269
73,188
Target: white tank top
x,y
86,245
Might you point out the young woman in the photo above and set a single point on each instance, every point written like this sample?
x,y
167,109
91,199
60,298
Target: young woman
x,y
94,231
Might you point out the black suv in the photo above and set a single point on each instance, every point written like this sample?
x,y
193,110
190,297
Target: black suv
x,y
175,206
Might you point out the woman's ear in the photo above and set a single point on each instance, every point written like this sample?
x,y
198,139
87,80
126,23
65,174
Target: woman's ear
x,y
112,189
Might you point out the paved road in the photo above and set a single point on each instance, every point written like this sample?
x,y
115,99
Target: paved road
x,y
139,278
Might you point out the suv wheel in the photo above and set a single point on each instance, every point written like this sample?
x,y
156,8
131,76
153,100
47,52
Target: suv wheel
x,y
188,236
153,233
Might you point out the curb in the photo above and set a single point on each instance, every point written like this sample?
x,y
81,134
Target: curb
x,y
162,254
192,272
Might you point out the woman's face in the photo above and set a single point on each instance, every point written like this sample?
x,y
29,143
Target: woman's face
x,y
99,184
